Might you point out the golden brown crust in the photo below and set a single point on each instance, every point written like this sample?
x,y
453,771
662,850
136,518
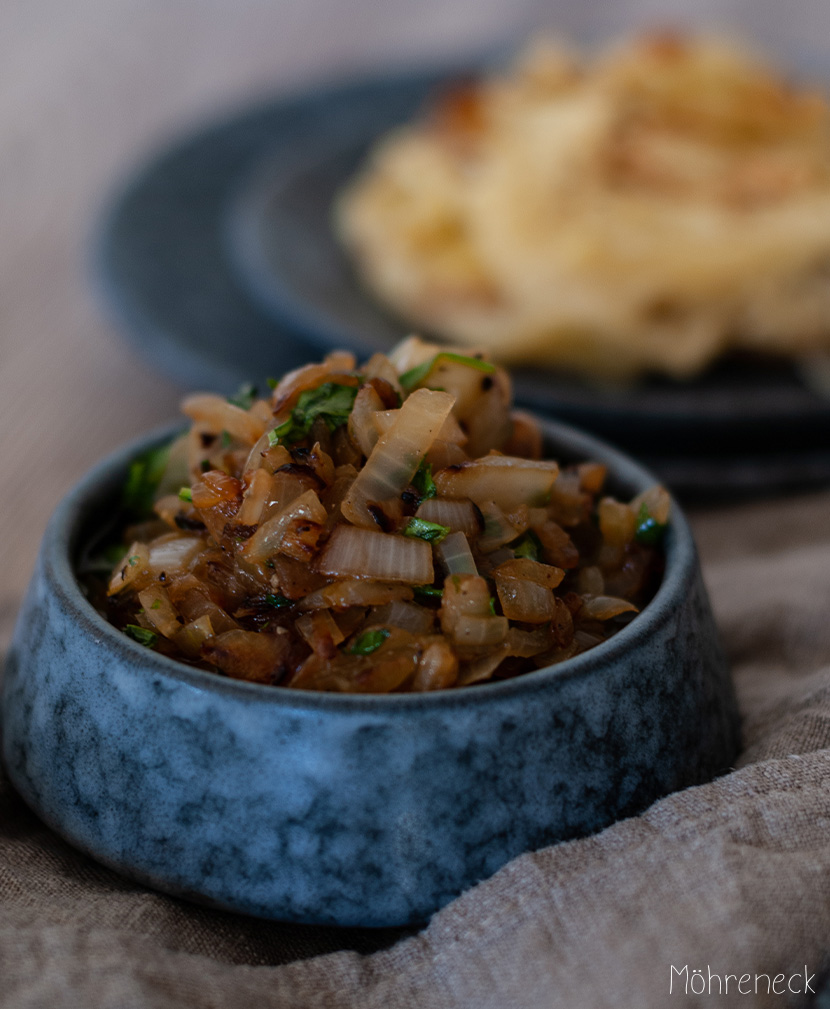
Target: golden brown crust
x,y
643,210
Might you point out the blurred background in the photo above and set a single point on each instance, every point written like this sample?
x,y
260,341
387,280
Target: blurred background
x,y
92,88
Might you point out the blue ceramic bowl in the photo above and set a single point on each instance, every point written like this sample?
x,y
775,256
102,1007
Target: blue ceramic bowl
x,y
355,810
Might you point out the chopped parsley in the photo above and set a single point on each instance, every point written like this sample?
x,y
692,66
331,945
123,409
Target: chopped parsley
x,y
420,529
244,396
368,641
156,604
428,591
277,601
143,479
410,379
132,561
423,482
225,439
648,530
272,383
185,494
330,401
528,545
141,635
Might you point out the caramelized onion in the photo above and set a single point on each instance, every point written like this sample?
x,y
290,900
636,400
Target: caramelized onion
x,y
363,553
397,455
506,480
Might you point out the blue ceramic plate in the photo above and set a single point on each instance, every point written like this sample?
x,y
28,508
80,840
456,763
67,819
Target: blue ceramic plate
x,y
218,260
341,808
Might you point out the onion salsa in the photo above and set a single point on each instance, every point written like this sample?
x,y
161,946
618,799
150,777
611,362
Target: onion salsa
x,y
386,528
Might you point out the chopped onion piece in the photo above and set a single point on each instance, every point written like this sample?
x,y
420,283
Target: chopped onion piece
x,y
215,488
362,420
254,498
479,632
159,610
321,632
192,636
379,366
411,352
408,616
498,529
217,415
532,571
504,479
524,600
590,581
657,503
363,553
456,555
525,644
256,656
268,539
466,614
482,669
591,476
397,455
133,569
445,453
173,553
437,667
606,607
353,592
488,422
526,437
458,516
617,521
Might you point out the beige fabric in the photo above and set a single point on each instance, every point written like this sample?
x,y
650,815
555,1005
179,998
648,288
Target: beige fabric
x,y
735,874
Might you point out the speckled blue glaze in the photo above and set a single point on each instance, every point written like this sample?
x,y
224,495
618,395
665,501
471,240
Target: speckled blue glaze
x,y
347,809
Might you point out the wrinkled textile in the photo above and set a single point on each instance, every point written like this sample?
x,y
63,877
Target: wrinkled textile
x,y
732,877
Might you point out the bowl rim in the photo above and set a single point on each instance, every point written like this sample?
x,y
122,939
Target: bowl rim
x,y
61,540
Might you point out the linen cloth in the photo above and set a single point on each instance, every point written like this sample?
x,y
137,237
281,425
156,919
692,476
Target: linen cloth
x,y
731,877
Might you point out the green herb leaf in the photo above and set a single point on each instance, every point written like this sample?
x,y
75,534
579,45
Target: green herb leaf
x,y
278,602
528,545
492,606
428,591
369,641
156,604
244,396
143,479
225,439
185,494
410,379
423,482
272,383
330,401
278,433
141,635
648,530
420,529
